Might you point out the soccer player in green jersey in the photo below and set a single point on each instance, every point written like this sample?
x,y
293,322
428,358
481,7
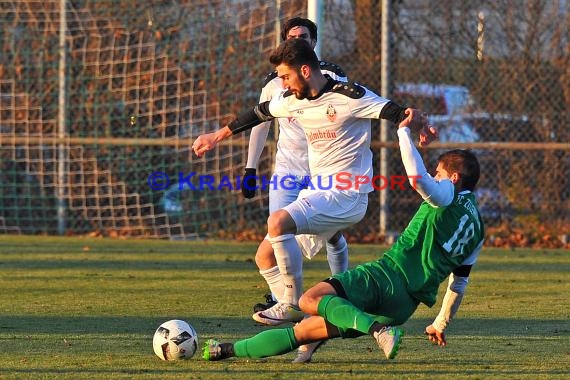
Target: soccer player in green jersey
x,y
443,239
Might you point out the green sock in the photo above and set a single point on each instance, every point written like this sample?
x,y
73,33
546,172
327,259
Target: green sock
x,y
344,315
266,343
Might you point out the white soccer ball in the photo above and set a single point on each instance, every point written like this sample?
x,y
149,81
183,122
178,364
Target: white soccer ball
x,y
175,340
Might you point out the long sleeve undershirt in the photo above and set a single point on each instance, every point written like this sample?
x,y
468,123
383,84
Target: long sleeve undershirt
x,y
436,193
257,140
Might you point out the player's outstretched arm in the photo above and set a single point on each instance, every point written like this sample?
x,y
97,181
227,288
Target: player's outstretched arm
x,y
243,122
450,305
437,193
209,141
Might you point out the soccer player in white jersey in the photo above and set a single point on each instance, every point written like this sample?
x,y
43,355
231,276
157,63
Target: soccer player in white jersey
x,y
291,160
444,238
335,117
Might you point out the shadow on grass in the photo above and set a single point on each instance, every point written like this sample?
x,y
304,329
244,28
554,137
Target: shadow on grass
x,y
222,326
27,325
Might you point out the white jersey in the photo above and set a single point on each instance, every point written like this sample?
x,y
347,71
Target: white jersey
x,y
338,130
292,156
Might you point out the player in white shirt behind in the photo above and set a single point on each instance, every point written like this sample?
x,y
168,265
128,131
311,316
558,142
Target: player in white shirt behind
x,y
335,117
291,161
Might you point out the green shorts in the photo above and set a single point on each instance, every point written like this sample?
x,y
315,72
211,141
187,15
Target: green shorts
x,y
378,288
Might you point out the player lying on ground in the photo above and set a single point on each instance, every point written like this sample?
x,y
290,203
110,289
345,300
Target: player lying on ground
x,y
443,239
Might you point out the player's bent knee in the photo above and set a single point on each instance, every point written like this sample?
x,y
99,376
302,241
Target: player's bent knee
x,y
280,223
308,303
273,225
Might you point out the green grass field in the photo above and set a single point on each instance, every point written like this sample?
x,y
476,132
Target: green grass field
x,y
82,308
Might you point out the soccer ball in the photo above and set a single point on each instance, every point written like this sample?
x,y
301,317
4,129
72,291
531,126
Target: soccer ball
x,y
175,340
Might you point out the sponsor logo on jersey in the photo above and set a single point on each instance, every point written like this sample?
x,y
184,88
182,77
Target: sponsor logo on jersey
x,y
320,135
331,113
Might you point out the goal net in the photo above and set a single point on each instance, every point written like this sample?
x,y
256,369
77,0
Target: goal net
x,y
141,80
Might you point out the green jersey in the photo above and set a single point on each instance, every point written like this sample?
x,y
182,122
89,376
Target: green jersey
x,y
436,241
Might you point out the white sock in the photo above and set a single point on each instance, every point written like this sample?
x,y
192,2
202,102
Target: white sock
x,y
290,261
273,278
337,255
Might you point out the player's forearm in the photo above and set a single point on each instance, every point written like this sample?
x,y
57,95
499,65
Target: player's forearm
x,y
451,302
411,158
208,141
221,134
438,194
393,112
257,140
251,118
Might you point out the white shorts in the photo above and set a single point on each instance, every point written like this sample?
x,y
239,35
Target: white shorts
x,y
286,192
323,212
311,244
283,194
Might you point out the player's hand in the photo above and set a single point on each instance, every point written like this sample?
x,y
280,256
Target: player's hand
x,y
416,120
204,143
427,135
208,141
435,336
249,183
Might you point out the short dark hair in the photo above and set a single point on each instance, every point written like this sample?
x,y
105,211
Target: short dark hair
x,y
298,21
295,52
465,163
